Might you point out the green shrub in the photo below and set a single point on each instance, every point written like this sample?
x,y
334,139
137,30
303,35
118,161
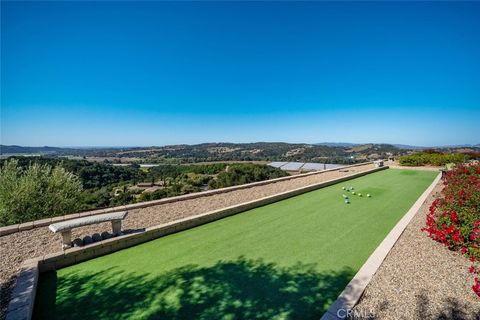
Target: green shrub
x,y
36,192
245,173
433,159
149,196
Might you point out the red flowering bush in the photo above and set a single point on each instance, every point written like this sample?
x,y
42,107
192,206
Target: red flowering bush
x,y
454,218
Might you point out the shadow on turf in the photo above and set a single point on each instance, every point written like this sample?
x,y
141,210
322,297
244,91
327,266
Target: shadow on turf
x,y
240,289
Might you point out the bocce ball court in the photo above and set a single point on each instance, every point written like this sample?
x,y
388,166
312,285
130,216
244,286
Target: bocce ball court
x,y
286,260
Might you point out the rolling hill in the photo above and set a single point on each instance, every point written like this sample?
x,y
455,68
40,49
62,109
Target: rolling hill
x,y
257,151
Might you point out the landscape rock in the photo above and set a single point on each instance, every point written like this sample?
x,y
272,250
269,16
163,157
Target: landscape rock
x,y
77,242
96,237
106,235
87,240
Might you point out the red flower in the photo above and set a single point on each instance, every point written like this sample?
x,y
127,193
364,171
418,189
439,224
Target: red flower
x,y
476,288
450,230
456,237
454,213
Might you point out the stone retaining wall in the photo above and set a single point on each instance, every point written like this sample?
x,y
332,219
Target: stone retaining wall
x,y
45,222
23,297
21,304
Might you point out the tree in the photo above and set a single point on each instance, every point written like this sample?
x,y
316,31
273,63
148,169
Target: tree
x,y
245,173
36,192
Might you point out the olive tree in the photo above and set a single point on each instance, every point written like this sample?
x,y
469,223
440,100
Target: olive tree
x,y
36,192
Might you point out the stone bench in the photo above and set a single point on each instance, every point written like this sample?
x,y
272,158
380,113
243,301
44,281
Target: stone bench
x,y
65,227
378,163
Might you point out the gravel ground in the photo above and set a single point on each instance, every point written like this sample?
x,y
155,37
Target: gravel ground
x,y
396,165
20,246
421,279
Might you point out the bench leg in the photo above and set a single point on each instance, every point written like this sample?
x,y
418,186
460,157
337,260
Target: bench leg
x,y
66,239
117,227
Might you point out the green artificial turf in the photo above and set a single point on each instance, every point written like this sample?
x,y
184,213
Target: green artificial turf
x,y
289,259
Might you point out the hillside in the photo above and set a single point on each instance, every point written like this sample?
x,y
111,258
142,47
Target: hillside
x,y
258,151
28,150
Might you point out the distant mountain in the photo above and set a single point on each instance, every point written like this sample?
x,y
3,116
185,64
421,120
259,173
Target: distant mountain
x,y
337,144
349,145
460,146
373,148
397,145
257,151
262,151
46,150
408,147
30,150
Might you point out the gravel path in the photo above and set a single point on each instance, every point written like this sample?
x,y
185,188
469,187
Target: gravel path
x,y
421,279
17,247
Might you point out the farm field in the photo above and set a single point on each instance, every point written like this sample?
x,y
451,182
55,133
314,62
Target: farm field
x,y
289,259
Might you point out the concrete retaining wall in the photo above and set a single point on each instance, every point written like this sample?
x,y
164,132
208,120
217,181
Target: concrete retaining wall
x,y
23,296
45,222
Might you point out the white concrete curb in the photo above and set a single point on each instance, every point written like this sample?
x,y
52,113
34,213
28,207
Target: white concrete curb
x,y
354,290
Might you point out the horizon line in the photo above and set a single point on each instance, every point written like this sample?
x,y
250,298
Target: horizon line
x,y
225,142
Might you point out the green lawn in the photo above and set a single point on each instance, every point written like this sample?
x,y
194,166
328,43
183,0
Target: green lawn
x,y
289,259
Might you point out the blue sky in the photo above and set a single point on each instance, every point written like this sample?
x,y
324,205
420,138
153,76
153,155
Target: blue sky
x,y
152,73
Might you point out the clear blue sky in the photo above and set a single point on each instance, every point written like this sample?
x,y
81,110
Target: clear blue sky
x,y
151,73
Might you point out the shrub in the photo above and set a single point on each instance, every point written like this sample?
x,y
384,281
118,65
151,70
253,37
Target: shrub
x,y
245,173
149,196
36,192
454,218
429,158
